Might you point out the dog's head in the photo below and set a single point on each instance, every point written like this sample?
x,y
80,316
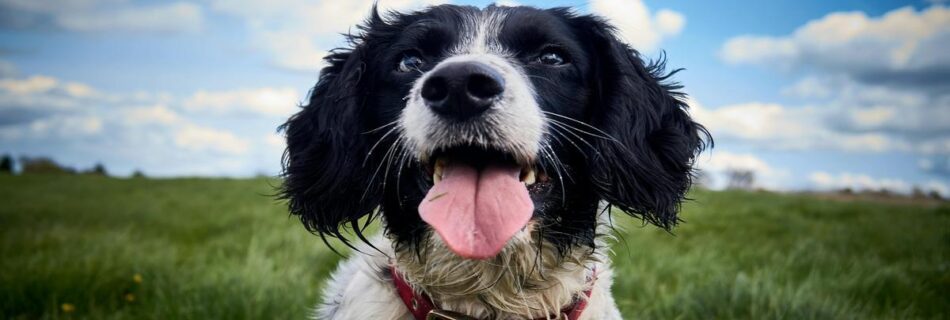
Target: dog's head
x,y
478,124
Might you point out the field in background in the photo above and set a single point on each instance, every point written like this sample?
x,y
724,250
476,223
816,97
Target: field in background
x,y
102,248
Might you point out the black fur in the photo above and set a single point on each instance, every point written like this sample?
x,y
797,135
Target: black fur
x,y
646,170
624,134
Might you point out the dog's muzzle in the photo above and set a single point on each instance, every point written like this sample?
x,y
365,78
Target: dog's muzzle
x,y
462,90
475,121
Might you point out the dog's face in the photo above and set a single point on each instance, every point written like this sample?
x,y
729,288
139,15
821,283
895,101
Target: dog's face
x,y
478,125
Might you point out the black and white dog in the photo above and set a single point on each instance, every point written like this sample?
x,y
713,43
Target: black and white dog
x,y
492,143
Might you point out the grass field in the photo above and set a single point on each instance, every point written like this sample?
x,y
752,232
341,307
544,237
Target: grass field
x,y
101,248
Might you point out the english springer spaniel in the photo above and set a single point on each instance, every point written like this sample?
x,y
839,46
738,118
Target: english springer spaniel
x,y
492,143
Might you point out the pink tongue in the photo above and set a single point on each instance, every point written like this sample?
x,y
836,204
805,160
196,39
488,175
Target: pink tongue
x,y
475,212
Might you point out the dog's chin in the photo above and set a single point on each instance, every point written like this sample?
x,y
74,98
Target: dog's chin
x,y
480,199
523,268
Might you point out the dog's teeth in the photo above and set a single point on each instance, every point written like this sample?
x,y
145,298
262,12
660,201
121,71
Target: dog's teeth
x,y
437,171
528,176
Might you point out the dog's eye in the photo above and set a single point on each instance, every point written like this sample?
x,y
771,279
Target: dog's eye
x,y
552,57
410,62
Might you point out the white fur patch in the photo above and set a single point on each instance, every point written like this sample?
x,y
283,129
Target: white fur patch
x,y
480,33
360,288
514,124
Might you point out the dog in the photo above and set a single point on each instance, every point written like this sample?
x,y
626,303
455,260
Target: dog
x,y
492,143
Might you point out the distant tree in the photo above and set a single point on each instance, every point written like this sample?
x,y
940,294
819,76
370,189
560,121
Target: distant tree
x,y
918,193
935,195
883,192
99,170
43,165
138,174
6,164
740,179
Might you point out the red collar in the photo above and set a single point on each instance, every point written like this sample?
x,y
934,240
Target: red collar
x,y
422,307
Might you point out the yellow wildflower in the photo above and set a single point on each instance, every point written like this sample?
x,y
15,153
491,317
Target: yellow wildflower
x,y
137,278
67,307
129,297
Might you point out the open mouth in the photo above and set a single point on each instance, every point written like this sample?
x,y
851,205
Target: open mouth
x,y
479,199
479,158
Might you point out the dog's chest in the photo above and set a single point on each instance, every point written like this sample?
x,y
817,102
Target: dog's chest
x,y
362,288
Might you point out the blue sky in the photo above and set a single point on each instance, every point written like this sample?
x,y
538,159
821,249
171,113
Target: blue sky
x,y
809,95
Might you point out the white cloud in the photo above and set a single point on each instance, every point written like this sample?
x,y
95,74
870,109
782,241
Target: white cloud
x,y
719,163
39,84
79,90
103,16
34,84
293,49
277,143
839,114
871,84
809,88
773,126
69,126
275,140
200,139
862,182
669,23
864,108
80,125
27,99
265,101
635,23
55,127
157,114
902,46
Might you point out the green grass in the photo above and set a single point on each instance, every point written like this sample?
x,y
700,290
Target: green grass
x,y
219,248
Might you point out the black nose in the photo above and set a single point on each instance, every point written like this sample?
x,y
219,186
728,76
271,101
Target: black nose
x,y
462,90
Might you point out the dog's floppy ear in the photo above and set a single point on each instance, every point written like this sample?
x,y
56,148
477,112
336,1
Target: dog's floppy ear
x,y
644,164
325,181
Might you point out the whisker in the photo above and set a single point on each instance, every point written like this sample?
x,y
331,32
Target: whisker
x,y
604,134
381,127
384,160
554,129
405,157
562,126
370,153
556,161
560,177
392,156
